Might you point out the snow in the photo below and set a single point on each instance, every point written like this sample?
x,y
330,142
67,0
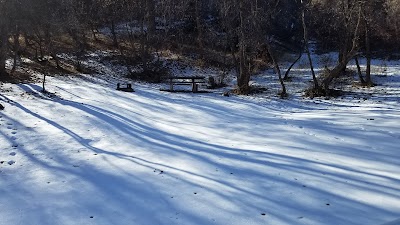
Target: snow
x,y
89,154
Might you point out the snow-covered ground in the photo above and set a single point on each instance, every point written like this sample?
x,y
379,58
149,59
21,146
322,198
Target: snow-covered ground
x,y
92,155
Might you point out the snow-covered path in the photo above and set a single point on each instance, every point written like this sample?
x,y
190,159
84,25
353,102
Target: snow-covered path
x,y
93,155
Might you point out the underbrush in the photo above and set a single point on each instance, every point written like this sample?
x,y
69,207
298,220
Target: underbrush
x,y
16,77
346,79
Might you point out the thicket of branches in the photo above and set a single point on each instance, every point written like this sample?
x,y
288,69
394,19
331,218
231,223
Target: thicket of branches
x,y
242,34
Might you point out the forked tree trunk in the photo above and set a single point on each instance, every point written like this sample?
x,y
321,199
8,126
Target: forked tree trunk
x,y
338,70
277,70
286,77
345,59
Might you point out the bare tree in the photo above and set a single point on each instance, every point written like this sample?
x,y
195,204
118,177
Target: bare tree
x,y
367,13
236,20
244,70
306,44
283,93
151,19
348,55
199,26
392,9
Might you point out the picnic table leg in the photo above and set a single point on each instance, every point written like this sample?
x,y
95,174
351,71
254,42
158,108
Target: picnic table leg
x,y
171,86
195,88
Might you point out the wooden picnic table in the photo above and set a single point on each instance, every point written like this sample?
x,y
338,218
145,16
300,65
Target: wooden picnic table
x,y
193,81
125,87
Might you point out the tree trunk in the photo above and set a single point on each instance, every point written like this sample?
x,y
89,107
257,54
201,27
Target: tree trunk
x,y
143,48
338,70
368,79
3,51
44,81
286,77
314,77
151,19
81,44
16,49
39,52
346,58
79,38
244,73
50,48
344,48
362,81
199,28
277,70
114,34
94,34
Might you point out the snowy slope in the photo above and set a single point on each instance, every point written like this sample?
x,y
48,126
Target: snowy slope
x,y
93,155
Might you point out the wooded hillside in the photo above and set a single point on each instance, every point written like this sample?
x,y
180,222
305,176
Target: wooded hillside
x,y
242,34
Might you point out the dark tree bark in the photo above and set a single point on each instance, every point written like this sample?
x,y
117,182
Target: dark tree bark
x,y
362,81
199,26
307,48
44,79
114,34
346,57
50,47
368,79
346,33
277,70
151,19
3,50
244,73
16,49
286,77
338,70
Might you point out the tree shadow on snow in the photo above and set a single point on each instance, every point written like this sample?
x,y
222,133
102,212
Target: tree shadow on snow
x,y
244,177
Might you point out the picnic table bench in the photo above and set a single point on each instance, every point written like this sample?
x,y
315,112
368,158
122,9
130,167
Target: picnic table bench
x,y
193,81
